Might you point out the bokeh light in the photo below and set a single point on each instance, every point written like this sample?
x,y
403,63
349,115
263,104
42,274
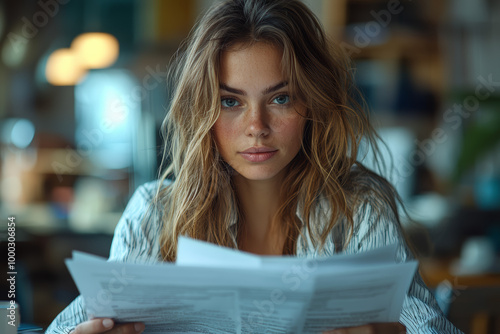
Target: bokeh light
x,y
63,68
96,50
18,132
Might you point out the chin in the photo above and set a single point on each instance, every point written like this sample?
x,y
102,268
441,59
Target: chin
x,y
259,175
258,178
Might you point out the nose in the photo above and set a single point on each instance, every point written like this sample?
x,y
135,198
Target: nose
x,y
257,122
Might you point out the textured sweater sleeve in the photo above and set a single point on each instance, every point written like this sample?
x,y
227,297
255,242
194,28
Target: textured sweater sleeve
x,y
135,240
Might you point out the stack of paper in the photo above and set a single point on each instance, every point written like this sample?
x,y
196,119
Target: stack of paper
x,y
211,289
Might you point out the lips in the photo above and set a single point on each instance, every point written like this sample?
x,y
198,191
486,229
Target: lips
x,y
258,154
259,149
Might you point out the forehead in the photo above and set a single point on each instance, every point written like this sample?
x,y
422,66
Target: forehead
x,y
245,62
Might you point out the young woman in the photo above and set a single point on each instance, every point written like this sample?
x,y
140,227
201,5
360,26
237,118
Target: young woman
x,y
263,136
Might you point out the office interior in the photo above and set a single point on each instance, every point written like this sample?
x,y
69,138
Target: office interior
x,y
84,94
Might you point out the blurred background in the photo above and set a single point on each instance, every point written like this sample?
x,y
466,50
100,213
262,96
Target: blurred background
x,y
83,94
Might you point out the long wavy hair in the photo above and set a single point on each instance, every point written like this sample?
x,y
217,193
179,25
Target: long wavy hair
x,y
201,202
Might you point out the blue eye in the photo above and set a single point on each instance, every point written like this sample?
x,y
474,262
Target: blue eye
x,y
282,99
229,103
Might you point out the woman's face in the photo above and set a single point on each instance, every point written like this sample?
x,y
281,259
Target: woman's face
x,y
259,130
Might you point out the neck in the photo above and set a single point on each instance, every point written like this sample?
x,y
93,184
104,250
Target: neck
x,y
259,202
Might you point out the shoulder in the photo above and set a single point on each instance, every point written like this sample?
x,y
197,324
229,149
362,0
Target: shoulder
x,y
365,186
136,234
375,206
372,198
148,190
376,217
142,202
143,198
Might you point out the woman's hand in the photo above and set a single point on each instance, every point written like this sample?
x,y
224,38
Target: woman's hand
x,y
384,328
104,325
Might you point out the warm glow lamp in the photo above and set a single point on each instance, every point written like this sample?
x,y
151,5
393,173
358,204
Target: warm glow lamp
x,y
63,68
95,50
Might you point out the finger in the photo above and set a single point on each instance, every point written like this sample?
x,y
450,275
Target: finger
x,y
385,328
131,328
94,326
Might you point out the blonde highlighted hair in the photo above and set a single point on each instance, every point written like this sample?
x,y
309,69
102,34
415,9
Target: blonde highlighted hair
x,y
201,203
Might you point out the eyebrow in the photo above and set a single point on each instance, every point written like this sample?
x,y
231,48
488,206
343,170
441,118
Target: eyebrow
x,y
264,92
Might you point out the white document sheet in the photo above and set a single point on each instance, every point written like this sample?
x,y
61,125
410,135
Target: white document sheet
x,y
212,289
192,252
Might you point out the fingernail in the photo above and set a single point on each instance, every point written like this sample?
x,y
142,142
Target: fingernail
x,y
139,327
108,323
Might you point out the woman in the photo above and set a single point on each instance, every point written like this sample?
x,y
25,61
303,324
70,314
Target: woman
x,y
263,134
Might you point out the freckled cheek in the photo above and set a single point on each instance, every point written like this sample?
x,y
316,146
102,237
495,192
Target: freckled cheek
x,y
225,134
291,128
